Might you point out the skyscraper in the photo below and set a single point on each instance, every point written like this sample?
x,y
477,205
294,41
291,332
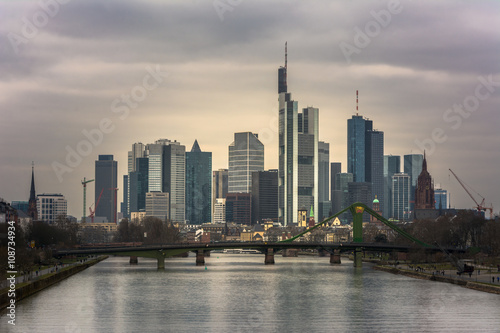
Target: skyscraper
x,y
264,195
413,167
357,127
441,197
138,185
298,155
198,185
401,186
124,205
374,164
238,208
246,155
342,180
167,174
106,182
392,165
335,193
157,205
324,203
219,187
360,192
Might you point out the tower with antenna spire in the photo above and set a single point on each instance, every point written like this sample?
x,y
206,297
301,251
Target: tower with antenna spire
x,y
32,209
298,145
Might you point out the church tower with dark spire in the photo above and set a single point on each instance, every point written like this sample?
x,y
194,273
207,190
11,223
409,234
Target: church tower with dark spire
x,y
424,192
32,210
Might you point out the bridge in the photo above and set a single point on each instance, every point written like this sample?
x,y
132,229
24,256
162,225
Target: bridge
x,y
160,252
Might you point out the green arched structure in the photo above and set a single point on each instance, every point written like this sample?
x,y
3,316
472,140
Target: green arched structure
x,y
357,209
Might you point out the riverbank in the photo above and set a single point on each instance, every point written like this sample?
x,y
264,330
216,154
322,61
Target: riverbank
x,y
480,286
24,290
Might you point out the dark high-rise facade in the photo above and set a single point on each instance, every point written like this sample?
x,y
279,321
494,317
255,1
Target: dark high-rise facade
x,y
374,163
264,195
138,184
361,192
198,185
238,208
335,193
324,203
220,182
392,166
413,167
106,182
357,127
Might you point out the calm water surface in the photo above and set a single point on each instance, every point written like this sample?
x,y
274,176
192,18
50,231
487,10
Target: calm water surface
x,y
238,293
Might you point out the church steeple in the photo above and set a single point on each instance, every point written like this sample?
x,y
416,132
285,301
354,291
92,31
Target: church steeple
x,y
32,210
424,163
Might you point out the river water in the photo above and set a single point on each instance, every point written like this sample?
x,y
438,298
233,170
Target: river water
x,y
238,293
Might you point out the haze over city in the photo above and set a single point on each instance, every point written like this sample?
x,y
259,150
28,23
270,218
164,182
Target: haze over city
x,y
210,71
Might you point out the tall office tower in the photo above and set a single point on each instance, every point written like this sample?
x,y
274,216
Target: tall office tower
x,y
424,191
342,180
246,155
441,197
138,151
392,165
220,210
413,167
138,185
51,206
264,196
401,187
238,208
198,185
157,205
219,187
166,173
124,205
357,129
335,194
298,155
32,204
360,192
106,183
324,202
374,164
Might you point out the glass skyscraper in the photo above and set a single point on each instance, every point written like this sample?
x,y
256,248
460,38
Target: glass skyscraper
x,y
401,187
246,155
106,179
198,185
357,127
392,165
138,181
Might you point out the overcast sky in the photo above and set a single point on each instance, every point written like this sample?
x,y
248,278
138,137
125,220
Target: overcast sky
x,y
137,71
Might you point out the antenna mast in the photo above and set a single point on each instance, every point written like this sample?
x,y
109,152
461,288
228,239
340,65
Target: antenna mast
x,y
356,102
286,53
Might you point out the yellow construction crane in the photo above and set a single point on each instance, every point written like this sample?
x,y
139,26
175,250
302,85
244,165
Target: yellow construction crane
x,y
84,183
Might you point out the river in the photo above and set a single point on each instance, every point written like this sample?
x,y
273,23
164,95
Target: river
x,y
238,293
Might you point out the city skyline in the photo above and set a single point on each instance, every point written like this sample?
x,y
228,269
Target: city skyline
x,y
60,84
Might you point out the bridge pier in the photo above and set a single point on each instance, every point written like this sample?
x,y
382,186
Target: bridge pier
x,y
358,257
133,260
206,253
200,257
269,257
161,263
335,257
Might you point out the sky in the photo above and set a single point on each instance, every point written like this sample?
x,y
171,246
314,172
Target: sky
x,y
83,78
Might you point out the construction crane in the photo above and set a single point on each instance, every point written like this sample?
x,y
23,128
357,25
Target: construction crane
x,y
92,212
84,183
114,189
480,206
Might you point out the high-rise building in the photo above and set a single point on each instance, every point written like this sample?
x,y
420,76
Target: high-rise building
x,y
264,196
32,204
298,155
413,167
440,195
138,185
220,210
324,203
246,155
401,187
51,206
138,151
157,205
238,208
198,185
335,193
167,174
357,127
424,191
392,165
106,179
124,205
360,192
219,187
374,164
342,180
